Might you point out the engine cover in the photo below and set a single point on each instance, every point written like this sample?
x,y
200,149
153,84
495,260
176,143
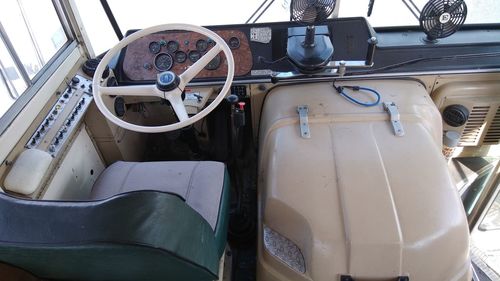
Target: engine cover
x,y
356,199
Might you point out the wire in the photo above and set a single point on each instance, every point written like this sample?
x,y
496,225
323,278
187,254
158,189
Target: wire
x,y
417,60
263,59
341,92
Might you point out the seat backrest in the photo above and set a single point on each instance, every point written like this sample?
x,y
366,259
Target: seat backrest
x,y
144,235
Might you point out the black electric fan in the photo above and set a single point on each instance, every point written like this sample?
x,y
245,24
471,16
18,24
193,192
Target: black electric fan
x,y
310,48
439,18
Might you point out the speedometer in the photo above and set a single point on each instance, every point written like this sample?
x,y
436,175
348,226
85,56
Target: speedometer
x,y
163,62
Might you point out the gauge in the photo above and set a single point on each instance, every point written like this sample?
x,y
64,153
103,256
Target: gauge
x,y
163,61
234,43
211,42
154,47
194,56
201,45
172,46
180,57
214,63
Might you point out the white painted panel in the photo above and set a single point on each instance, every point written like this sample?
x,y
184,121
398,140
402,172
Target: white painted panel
x,y
22,122
73,180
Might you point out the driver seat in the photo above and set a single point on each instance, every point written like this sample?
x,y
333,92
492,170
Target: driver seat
x,y
143,221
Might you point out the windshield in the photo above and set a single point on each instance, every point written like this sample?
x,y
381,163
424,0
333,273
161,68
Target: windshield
x,y
145,13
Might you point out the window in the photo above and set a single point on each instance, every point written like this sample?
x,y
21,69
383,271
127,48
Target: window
x,y
395,13
31,34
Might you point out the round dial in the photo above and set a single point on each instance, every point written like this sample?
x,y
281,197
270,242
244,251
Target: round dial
x,y
214,63
172,46
180,57
154,47
194,56
163,61
234,43
201,45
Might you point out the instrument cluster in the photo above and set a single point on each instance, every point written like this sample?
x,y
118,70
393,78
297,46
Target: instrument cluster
x,y
176,51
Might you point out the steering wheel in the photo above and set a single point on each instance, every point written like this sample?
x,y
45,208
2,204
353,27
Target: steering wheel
x,y
169,85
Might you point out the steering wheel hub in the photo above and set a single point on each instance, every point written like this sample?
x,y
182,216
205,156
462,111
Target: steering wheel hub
x,y
167,81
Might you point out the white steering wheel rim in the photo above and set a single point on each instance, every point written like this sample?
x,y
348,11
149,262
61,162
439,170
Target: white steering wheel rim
x,y
98,89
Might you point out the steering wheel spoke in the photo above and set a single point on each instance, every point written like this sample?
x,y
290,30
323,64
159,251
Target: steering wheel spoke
x,y
136,90
175,99
198,66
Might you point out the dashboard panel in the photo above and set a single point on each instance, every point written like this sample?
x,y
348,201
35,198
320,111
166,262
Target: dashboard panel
x,y
399,50
177,50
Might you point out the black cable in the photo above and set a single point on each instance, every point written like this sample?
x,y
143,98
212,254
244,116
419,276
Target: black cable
x,y
264,60
413,61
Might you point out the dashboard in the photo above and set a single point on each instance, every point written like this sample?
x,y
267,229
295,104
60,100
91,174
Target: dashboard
x,y
260,50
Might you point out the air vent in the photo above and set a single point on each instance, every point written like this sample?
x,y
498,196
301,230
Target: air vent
x,y
474,126
493,134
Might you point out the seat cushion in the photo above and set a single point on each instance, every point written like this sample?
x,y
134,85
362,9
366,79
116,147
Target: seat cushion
x,y
199,184
141,235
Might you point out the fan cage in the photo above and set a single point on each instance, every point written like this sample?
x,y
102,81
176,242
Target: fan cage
x,y
442,18
311,11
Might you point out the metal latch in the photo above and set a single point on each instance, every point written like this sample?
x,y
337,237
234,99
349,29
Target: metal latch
x,y
393,112
303,110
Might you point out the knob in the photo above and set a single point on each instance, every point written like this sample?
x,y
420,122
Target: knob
x,y
75,80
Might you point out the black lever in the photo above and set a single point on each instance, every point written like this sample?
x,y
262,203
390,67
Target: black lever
x,y
370,8
370,54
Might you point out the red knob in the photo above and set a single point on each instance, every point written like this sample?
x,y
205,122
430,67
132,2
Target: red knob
x,y
242,105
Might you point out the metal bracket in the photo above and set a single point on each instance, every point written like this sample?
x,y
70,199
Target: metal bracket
x,y
303,110
393,112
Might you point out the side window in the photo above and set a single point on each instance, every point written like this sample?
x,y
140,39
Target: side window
x,y
31,36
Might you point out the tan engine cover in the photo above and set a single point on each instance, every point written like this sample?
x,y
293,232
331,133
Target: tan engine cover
x,y
356,199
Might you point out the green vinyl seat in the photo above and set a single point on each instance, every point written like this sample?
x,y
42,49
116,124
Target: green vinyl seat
x,y
140,223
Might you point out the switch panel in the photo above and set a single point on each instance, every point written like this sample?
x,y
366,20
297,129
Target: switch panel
x,y
64,116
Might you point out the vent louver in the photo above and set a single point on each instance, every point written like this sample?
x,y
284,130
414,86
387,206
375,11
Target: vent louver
x,y
493,134
474,126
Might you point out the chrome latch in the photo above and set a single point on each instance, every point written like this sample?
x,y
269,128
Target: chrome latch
x,y
393,112
303,110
